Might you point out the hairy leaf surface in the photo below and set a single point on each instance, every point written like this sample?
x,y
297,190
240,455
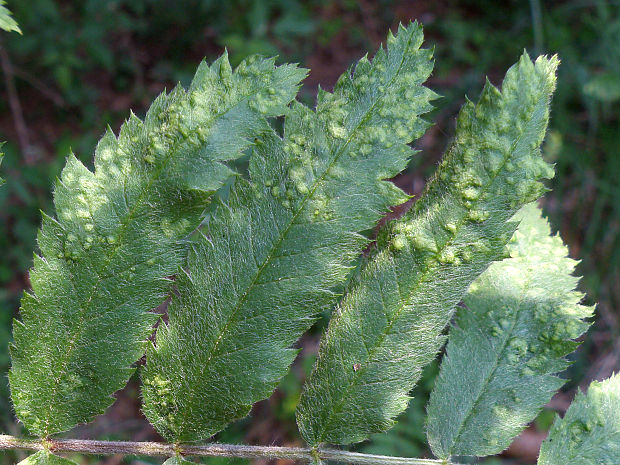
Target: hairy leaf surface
x,y
120,232
283,241
178,460
519,320
388,326
589,433
44,457
6,19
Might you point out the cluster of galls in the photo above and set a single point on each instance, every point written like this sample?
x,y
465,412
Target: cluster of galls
x,y
165,403
480,173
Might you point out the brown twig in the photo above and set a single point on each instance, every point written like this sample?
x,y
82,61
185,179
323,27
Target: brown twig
x,y
51,94
210,450
16,107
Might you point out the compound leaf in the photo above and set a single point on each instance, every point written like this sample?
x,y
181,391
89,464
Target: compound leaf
x,y
283,241
120,232
519,320
589,433
389,325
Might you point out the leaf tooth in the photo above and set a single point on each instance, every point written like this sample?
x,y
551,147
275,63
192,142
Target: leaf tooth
x,y
457,228
119,234
284,241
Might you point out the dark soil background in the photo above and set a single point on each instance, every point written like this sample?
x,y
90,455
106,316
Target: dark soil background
x,y
81,65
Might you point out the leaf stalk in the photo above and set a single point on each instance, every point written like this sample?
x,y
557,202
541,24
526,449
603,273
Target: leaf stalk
x,y
87,446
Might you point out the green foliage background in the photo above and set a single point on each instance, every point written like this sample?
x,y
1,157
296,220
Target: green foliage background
x,y
80,65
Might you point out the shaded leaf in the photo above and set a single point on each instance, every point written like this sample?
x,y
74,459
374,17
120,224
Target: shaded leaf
x,y
519,320
589,433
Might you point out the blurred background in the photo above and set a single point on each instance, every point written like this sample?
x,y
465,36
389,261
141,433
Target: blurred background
x,y
81,65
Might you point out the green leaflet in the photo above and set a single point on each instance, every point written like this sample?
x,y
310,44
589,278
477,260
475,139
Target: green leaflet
x,y
283,241
6,19
119,234
518,323
388,326
178,460
589,433
44,457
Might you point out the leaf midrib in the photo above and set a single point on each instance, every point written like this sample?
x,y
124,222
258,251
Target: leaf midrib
x,y
498,356
281,237
396,315
122,233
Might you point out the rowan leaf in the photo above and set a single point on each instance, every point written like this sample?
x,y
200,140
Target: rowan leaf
x,y
120,231
519,321
389,325
277,249
589,433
